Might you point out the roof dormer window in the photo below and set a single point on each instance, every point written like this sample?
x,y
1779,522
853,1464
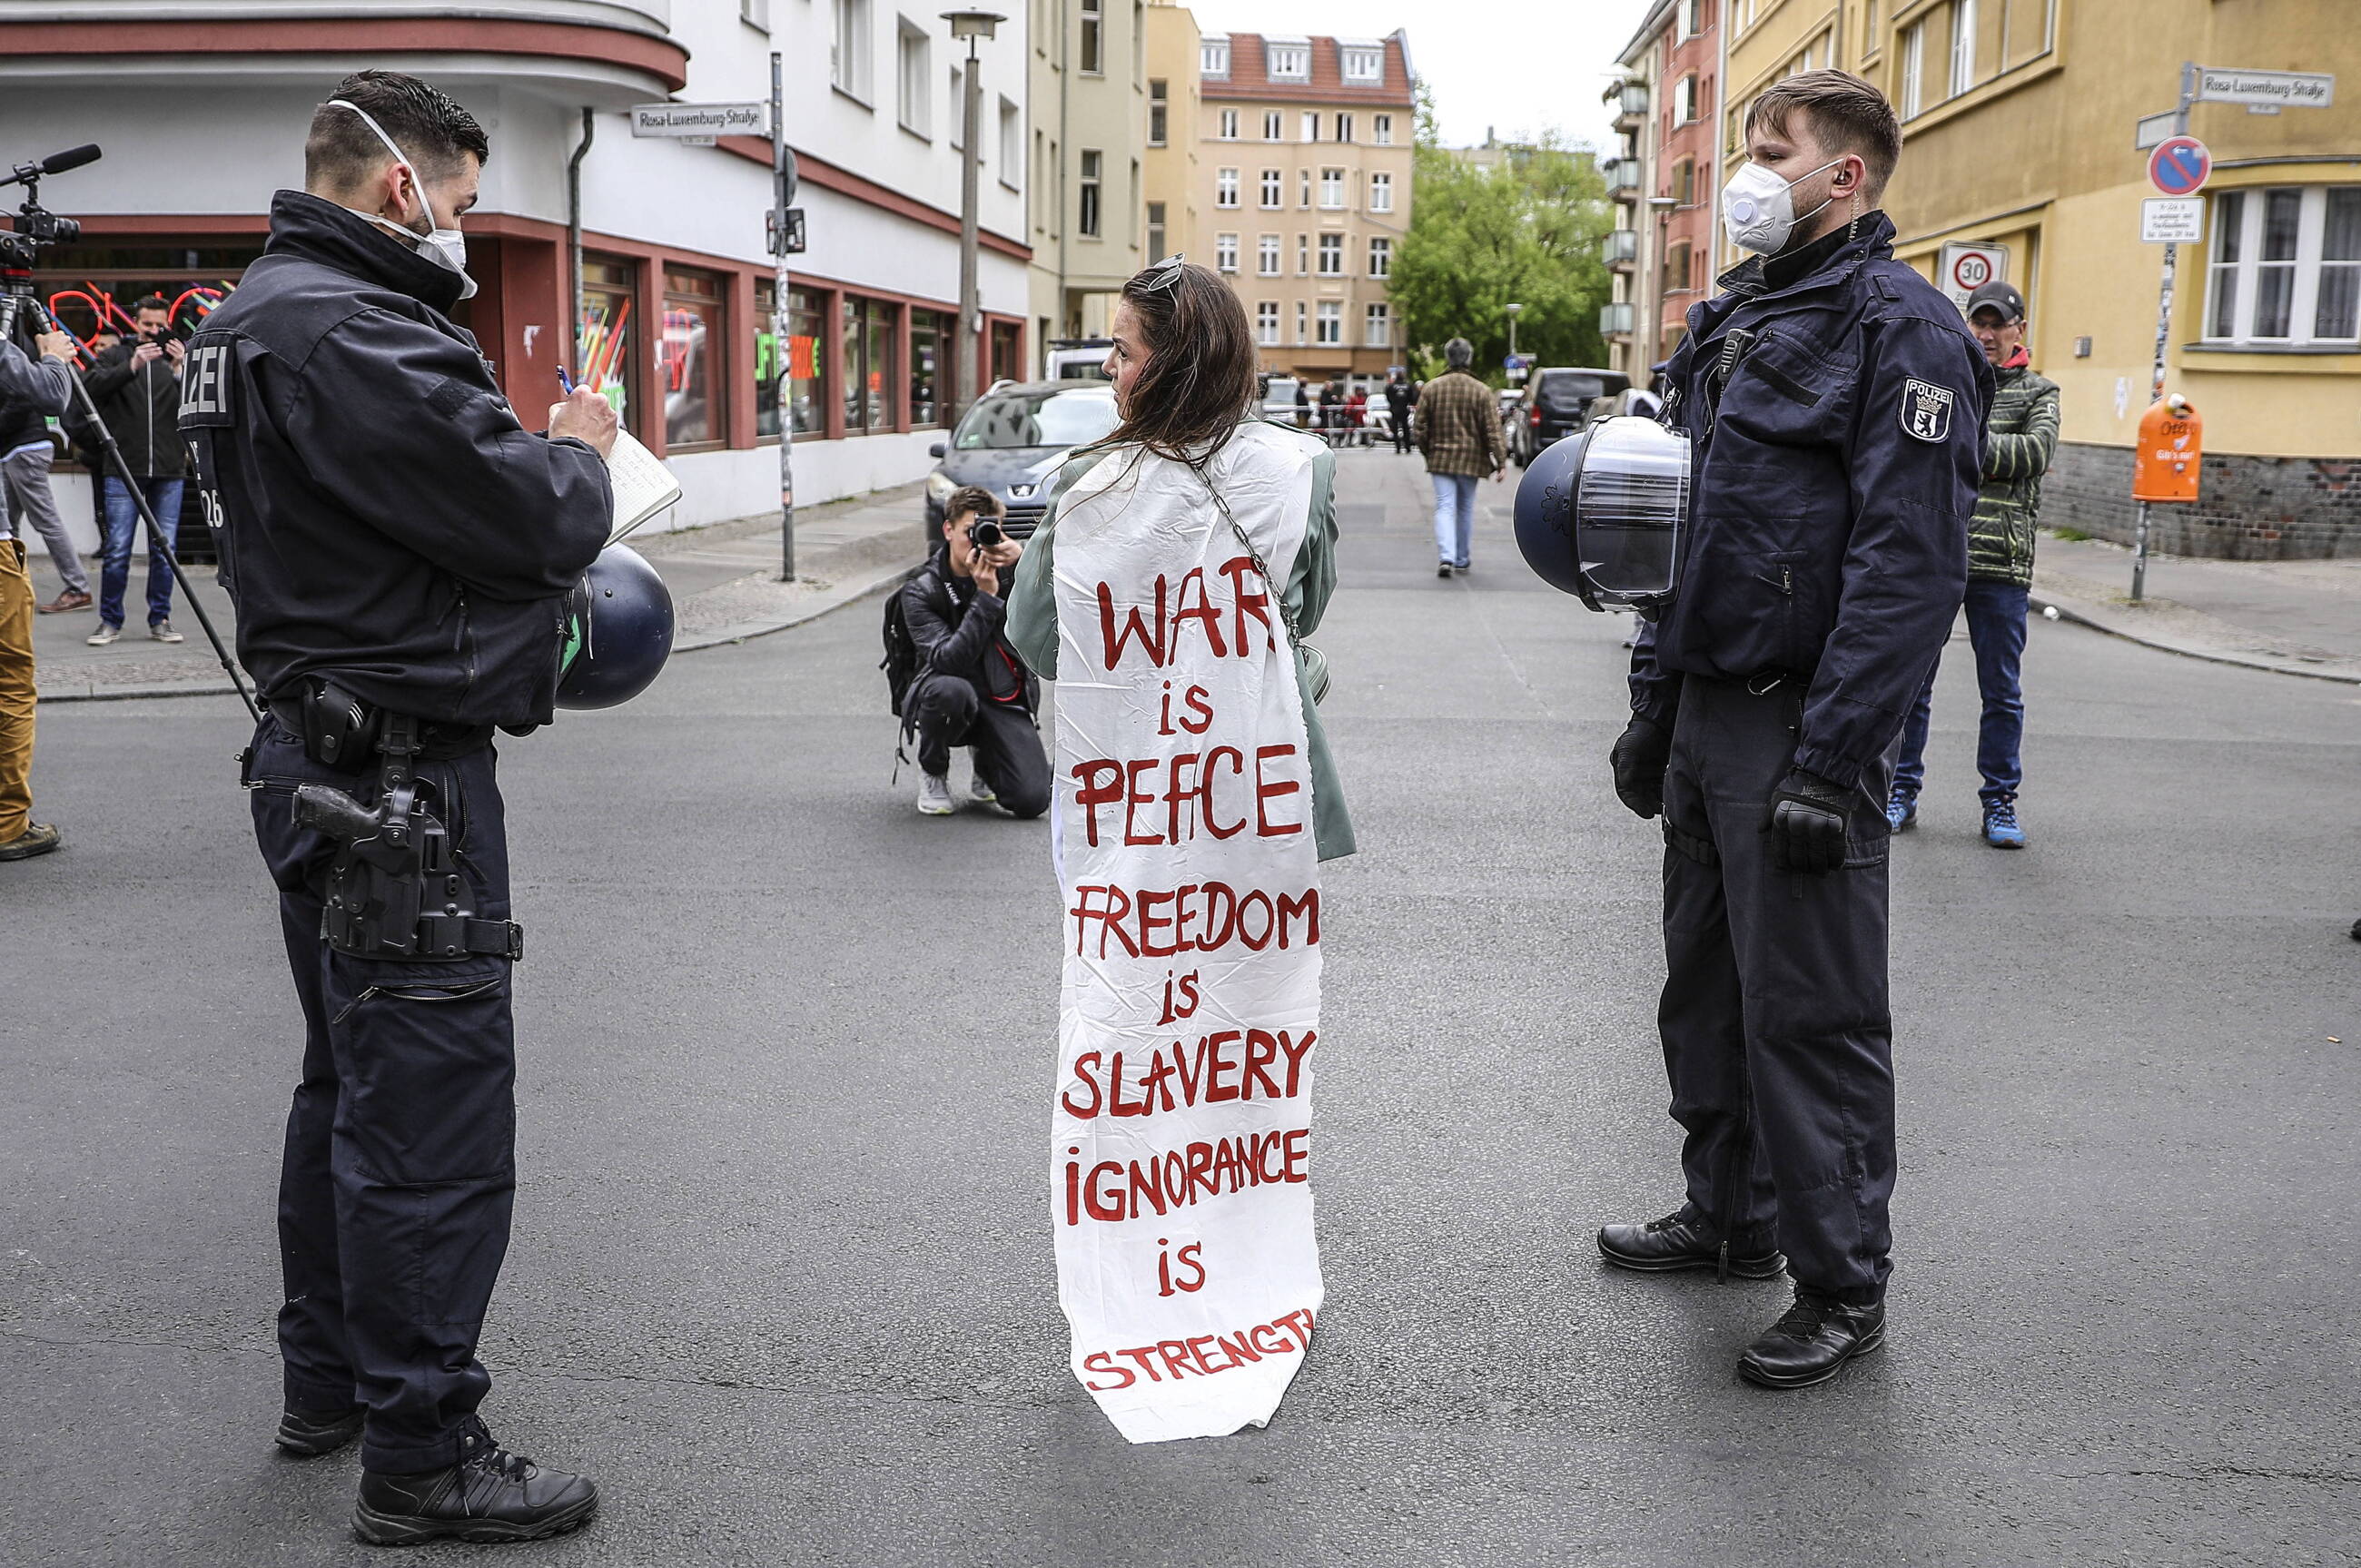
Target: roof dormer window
x,y
1288,59
1213,55
1363,64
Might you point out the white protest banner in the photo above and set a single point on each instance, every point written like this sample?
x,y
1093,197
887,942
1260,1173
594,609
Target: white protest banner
x,y
1191,1008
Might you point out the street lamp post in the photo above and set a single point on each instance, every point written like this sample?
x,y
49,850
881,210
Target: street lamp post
x,y
970,26
1514,311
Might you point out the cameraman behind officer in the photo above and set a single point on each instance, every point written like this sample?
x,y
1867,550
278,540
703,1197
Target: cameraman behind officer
x,y
971,689
43,385
398,548
135,387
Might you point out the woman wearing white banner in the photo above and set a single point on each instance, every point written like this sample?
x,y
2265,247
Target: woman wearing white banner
x,y
1183,560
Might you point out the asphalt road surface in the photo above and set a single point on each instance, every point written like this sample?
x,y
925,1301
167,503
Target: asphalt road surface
x,y
781,1277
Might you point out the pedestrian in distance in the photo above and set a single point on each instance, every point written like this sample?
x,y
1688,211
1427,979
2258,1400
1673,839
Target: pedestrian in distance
x,y
28,447
1399,396
1835,405
1459,433
135,387
970,688
2020,438
40,383
401,551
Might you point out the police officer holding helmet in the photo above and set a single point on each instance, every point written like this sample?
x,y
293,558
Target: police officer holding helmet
x,y
400,550
1835,403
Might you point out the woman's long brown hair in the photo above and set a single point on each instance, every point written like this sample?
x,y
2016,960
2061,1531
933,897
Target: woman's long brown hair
x,y
1199,381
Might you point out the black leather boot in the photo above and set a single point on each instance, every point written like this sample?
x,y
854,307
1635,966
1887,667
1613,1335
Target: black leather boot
x,y
489,1495
1684,1241
307,1434
1811,1344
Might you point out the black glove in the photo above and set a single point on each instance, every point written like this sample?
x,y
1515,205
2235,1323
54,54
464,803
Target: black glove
x,y
1639,759
1806,823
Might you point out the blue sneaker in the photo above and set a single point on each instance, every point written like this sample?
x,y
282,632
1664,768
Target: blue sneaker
x,y
2001,830
1901,809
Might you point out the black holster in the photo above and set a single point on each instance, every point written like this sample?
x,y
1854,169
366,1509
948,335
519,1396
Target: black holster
x,y
395,889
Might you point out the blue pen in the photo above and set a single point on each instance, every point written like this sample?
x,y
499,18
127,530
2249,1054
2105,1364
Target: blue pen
x,y
565,382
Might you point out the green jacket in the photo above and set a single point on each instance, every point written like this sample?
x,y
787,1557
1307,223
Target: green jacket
x,y
2019,440
1032,624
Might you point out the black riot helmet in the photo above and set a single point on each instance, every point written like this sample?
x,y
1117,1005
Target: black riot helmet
x,y
618,625
1599,513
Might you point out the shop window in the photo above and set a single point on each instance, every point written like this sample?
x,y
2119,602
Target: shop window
x,y
868,326
1007,351
689,352
608,288
806,366
930,365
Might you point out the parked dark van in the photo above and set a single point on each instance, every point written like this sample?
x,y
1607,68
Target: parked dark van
x,y
1557,402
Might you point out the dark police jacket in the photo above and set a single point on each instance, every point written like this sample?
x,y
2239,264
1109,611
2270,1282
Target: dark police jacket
x,y
1836,419
385,519
958,632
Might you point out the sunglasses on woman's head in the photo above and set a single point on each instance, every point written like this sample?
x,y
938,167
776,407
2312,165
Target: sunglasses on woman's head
x,y
1163,274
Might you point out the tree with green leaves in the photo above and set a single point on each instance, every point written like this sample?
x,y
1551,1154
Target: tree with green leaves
x,y
1525,231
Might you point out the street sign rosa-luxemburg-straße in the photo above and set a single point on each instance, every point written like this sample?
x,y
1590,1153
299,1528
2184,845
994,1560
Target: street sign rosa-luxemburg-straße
x,y
699,120
2285,89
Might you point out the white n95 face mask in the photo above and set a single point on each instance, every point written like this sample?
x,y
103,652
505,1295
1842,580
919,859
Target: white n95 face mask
x,y
448,247
1759,207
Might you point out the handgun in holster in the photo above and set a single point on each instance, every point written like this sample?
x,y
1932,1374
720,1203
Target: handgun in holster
x,y
395,889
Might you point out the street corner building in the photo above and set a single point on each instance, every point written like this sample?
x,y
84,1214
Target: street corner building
x,y
201,107
2025,159
1284,163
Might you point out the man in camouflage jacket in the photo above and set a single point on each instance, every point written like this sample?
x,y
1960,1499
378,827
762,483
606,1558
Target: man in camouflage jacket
x,y
2020,437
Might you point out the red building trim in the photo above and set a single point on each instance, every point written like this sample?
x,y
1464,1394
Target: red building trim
x,y
663,61
844,182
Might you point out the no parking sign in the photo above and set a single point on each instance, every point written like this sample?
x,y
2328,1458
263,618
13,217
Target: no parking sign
x,y
2179,166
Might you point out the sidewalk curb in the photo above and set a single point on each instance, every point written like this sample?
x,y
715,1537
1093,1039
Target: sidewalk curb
x,y
864,587
2082,613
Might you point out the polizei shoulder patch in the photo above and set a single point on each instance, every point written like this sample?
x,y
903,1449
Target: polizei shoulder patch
x,y
1927,410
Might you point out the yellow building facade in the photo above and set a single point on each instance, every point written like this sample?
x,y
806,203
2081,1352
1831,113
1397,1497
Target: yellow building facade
x,y
2019,123
1174,103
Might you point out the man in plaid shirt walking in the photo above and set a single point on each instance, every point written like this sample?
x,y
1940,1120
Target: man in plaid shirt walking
x,y
1459,433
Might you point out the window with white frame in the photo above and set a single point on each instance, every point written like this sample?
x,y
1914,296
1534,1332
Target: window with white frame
x,y
1273,126
1226,253
1344,128
1364,65
1692,18
1377,326
1963,46
1273,193
1332,255
2286,266
848,54
1213,55
1381,256
1331,189
1012,143
1685,98
1267,322
1332,320
1303,256
1226,187
1087,215
1311,124
1156,230
1288,59
1267,256
1159,113
1381,129
1913,69
1229,125
1303,316
1303,187
1091,57
1381,190
912,101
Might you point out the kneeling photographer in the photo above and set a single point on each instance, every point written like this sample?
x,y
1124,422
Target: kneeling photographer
x,y
970,688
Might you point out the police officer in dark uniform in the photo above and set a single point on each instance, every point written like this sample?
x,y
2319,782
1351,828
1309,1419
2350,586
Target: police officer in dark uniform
x,y
399,548
1835,403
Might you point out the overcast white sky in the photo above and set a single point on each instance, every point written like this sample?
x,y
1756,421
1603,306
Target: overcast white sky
x,y
1522,66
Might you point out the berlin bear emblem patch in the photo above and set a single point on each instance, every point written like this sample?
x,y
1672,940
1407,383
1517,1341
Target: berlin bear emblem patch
x,y
1927,410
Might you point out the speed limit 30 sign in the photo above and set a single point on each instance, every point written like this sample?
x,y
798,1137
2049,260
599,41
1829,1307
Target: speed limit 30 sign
x,y
1962,268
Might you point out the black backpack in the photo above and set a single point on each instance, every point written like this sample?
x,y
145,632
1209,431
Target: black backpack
x,y
901,662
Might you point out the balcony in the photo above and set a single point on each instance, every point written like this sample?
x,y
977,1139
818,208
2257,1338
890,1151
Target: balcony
x,y
1621,249
1616,320
1631,101
1623,179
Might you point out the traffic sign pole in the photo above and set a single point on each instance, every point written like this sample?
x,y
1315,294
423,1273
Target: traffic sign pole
x,y
783,194
2164,292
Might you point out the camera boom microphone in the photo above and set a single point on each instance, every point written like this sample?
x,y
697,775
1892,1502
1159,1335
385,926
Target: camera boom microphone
x,y
73,158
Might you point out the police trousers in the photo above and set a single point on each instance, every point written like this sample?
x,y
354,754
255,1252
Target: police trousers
x,y
395,1190
1777,1036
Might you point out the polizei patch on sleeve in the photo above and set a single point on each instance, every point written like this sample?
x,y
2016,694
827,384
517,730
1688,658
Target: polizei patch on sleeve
x,y
1927,410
